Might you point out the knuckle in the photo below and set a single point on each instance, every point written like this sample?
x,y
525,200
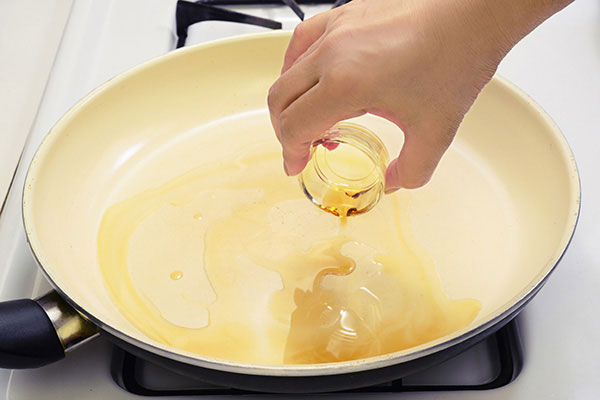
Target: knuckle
x,y
328,44
272,97
334,41
292,136
346,77
344,82
285,126
339,77
300,31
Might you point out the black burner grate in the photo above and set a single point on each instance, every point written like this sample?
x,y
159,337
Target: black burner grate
x,y
501,365
189,13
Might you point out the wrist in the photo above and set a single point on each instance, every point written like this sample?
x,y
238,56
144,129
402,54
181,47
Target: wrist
x,y
514,19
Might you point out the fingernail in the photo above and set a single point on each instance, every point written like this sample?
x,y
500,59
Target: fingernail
x,y
285,168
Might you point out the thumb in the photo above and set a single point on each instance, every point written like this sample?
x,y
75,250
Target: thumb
x,y
420,155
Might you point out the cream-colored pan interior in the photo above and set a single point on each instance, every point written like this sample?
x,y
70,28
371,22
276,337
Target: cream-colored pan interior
x,y
495,218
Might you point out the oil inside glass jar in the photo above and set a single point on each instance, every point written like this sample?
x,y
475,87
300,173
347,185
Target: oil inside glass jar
x,y
346,171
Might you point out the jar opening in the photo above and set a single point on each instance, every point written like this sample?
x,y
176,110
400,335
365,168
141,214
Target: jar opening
x,y
346,172
344,162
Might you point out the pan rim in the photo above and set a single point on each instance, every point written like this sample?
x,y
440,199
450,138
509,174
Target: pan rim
x,y
512,306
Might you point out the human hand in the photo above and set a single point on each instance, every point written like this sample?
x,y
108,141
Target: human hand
x,y
417,63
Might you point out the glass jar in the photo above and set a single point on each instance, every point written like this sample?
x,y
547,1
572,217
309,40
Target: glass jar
x,y
346,171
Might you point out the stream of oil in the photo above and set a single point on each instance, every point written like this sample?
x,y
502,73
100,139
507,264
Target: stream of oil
x,y
231,261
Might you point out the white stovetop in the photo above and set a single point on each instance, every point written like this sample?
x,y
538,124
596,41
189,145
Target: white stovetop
x,y
558,65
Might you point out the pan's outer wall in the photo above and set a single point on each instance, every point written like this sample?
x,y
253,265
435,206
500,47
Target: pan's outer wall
x,y
73,177
311,384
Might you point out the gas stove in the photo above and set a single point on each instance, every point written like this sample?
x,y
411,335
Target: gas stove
x,y
556,350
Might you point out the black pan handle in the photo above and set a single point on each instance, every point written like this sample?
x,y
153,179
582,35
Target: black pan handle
x,y
38,332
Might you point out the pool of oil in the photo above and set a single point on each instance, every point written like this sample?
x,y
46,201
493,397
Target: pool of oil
x,y
230,260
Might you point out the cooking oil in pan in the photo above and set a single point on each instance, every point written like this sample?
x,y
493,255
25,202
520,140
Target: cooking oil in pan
x,y
263,276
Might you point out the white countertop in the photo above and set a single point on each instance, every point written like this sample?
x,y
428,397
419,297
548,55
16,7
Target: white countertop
x,y
558,65
30,32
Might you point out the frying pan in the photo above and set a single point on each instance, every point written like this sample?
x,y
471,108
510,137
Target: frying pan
x,y
496,218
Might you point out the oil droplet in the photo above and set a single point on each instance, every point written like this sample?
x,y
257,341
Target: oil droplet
x,y
198,216
176,275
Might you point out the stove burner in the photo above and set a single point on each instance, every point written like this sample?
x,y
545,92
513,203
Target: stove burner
x,y
188,13
497,361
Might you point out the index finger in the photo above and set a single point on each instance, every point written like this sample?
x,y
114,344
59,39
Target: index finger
x,y
307,119
305,34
